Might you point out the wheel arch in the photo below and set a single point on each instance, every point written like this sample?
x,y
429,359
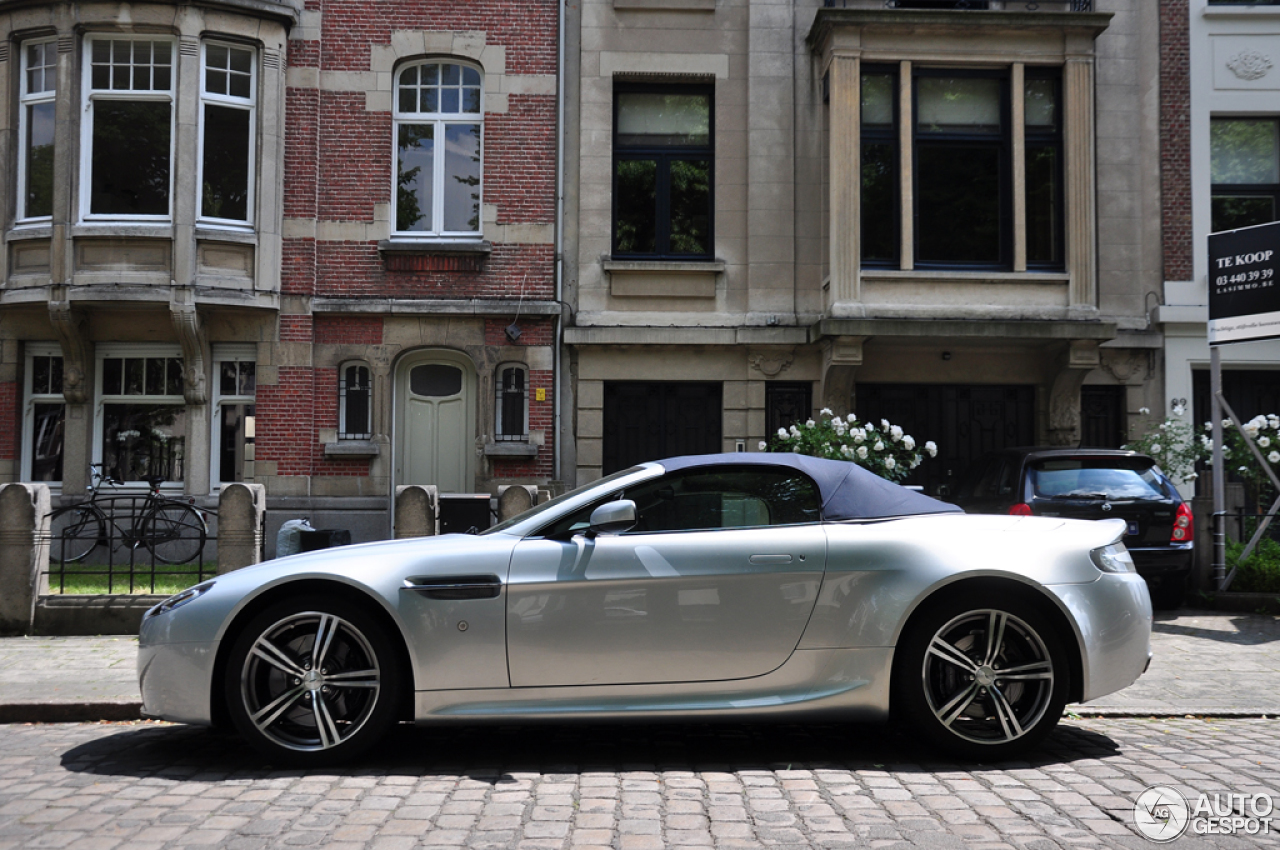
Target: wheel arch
x,y
998,587
293,589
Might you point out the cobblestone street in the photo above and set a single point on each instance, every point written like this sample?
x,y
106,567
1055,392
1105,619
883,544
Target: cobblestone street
x,y
628,787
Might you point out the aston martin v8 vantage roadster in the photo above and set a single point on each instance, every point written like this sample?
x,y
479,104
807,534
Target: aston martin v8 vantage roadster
x,y
731,585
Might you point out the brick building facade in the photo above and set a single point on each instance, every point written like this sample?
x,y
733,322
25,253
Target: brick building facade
x,y
308,245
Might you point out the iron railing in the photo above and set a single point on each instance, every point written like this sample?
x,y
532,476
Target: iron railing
x,y
969,5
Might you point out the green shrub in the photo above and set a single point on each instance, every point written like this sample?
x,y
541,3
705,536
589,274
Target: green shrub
x,y
1261,573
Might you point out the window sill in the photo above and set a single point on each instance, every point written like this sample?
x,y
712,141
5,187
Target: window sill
x,y
510,449
351,449
217,234
945,276
1229,10
29,231
667,5
434,256
665,266
110,229
663,278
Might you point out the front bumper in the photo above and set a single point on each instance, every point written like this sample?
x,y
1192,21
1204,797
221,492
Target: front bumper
x,y
175,678
1114,618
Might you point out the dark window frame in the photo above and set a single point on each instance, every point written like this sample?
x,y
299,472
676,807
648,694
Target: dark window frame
x,y
1270,191
1001,142
664,155
346,392
1047,138
507,400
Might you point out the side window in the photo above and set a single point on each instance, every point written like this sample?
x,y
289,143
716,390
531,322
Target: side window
x,y
141,419
45,412
511,407
235,426
227,90
712,498
438,125
35,130
355,394
1245,170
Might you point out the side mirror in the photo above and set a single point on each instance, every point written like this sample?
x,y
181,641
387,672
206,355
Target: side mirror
x,y
613,518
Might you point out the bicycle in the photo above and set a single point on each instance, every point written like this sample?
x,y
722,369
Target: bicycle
x,y
173,532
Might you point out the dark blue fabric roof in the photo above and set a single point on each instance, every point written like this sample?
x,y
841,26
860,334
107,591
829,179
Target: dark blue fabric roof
x,y
848,491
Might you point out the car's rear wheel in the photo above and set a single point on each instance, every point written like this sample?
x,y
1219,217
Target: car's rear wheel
x,y
312,681
980,678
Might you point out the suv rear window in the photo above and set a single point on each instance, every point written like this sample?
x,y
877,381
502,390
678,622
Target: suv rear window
x,y
1099,478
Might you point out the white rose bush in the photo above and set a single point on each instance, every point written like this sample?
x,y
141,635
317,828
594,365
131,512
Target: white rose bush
x,y
884,449
1174,446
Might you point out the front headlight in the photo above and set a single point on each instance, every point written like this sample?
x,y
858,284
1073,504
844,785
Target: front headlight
x,y
180,599
1113,559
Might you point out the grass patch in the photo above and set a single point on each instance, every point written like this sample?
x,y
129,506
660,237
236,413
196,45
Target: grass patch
x,y
100,578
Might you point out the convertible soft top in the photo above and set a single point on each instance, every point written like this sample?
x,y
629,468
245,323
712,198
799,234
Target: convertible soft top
x,y
848,491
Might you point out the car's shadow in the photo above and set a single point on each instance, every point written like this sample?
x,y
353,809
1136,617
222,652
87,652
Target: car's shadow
x,y
490,753
1251,630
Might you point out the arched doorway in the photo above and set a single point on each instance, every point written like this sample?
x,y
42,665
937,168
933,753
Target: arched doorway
x,y
436,420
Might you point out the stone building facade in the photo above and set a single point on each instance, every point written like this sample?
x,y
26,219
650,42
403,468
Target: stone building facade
x,y
308,245
946,214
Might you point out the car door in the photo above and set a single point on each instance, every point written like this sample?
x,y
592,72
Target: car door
x,y
716,581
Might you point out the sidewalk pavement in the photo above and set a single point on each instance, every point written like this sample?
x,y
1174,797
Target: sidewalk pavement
x,y
1220,664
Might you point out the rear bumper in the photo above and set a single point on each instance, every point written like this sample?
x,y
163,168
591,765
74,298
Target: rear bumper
x,y
1163,561
1113,615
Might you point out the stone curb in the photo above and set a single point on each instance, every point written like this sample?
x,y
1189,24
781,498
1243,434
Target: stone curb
x,y
69,712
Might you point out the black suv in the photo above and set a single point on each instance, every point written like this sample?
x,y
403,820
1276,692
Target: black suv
x,y
1094,484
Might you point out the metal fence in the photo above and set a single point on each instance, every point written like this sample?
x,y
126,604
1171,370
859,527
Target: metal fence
x,y
130,544
968,5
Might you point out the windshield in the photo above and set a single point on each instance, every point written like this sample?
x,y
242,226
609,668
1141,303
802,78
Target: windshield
x,y
1096,478
562,499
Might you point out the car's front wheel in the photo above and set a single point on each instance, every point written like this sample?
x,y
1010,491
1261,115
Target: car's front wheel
x,y
312,681
983,679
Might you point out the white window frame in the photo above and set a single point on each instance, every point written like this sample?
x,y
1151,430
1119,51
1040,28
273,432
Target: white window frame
x,y
345,433
90,96
29,401
110,351
250,105
498,436
440,120
225,353
27,99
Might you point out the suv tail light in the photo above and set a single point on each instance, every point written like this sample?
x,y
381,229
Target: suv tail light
x,y
1020,509
1184,527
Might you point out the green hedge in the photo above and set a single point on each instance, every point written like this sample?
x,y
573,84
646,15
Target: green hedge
x,y
1261,573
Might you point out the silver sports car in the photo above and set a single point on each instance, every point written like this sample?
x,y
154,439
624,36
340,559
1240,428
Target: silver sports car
x,y
709,586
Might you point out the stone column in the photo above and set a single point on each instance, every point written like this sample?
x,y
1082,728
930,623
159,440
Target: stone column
x,y
1080,358
846,178
1080,191
24,553
417,511
241,508
515,499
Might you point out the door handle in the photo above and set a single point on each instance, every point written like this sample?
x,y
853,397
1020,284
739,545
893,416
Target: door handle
x,y
770,559
455,587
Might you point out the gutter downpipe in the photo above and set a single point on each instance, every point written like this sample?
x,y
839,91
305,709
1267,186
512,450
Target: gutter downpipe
x,y
557,360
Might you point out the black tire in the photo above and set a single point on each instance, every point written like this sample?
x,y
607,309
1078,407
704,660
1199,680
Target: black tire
x,y
949,683
173,533
303,706
75,531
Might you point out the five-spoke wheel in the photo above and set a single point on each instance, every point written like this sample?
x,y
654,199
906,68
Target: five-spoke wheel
x,y
312,681
982,679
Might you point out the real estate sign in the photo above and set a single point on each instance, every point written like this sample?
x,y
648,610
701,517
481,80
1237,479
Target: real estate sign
x,y
1244,284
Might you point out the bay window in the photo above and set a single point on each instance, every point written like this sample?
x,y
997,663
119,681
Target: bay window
x,y
36,129
128,128
438,138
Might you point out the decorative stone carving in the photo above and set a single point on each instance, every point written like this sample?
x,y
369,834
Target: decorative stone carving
x,y
841,357
72,330
186,324
771,362
1250,64
1064,408
1124,366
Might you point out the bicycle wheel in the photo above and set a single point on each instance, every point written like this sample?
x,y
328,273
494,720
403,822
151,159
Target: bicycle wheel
x,y
75,531
174,533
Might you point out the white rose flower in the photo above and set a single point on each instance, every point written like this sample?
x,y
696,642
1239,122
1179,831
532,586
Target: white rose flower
x,y
796,449
879,446
826,411
1274,457
852,418
896,433
859,436
762,445
782,433
795,432
1226,423
1144,410
1273,421
1155,447
1208,426
931,448
889,462
884,423
809,424
861,452
1264,441
908,443
847,451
